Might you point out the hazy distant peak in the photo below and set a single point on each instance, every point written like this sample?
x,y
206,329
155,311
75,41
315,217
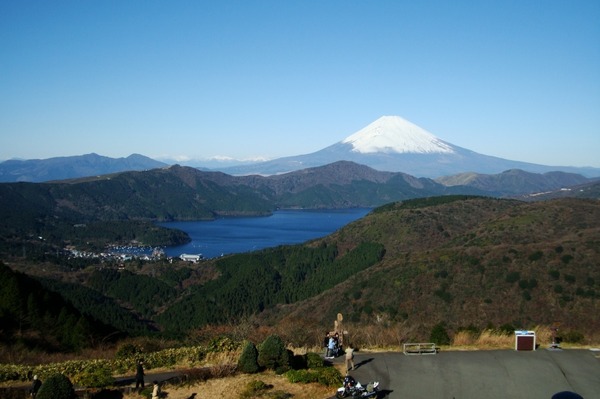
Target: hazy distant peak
x,y
394,134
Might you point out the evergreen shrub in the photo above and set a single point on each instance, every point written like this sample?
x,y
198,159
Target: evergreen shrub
x,y
248,361
328,376
439,335
314,360
56,386
272,354
297,362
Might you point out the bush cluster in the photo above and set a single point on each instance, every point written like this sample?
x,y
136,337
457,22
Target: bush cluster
x,y
328,376
272,354
97,371
95,376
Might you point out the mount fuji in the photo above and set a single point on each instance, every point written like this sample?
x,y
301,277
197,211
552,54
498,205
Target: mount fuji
x,y
394,144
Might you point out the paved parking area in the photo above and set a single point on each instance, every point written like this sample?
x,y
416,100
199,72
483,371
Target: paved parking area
x,y
486,374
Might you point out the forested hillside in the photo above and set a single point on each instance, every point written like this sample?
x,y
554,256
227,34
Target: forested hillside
x,y
456,261
250,283
34,316
470,262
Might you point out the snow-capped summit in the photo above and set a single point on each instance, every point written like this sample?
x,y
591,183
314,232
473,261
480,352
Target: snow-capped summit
x,y
393,144
393,134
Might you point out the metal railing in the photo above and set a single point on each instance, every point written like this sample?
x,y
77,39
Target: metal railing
x,y
427,348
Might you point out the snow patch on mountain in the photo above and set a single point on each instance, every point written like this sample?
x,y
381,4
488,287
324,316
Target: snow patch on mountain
x,y
393,134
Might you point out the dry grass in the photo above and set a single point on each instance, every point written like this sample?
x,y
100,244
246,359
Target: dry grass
x,y
232,388
492,339
487,339
224,383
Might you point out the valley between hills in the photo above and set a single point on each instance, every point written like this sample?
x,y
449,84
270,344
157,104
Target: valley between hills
x,y
422,260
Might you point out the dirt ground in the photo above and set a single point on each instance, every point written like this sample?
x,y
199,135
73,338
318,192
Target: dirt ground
x,y
232,388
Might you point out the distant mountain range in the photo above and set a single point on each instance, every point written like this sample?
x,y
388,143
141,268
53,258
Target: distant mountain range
x,y
184,193
515,182
390,144
61,168
394,144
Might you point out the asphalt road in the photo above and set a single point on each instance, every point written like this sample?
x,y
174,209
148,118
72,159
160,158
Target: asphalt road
x,y
489,374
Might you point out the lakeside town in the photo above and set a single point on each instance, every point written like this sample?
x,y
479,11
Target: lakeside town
x,y
122,253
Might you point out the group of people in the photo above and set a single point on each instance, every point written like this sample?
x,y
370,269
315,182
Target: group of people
x,y
332,344
139,380
333,349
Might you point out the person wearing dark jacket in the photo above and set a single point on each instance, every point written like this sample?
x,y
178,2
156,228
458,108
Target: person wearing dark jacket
x,y
35,386
139,375
326,343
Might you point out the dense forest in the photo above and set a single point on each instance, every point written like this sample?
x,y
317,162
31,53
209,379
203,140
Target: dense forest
x,y
37,317
251,283
246,285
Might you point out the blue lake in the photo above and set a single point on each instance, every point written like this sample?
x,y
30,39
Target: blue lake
x,y
243,234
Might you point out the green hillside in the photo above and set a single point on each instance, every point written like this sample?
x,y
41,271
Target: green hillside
x,y
33,316
471,262
250,283
457,261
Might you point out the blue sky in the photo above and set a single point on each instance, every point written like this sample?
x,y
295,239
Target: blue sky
x,y
248,79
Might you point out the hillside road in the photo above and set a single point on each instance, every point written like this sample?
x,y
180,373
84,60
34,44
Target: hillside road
x,y
486,374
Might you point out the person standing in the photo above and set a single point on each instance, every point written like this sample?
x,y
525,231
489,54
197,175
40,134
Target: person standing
x,y
349,358
139,374
326,343
330,348
156,390
35,386
337,348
